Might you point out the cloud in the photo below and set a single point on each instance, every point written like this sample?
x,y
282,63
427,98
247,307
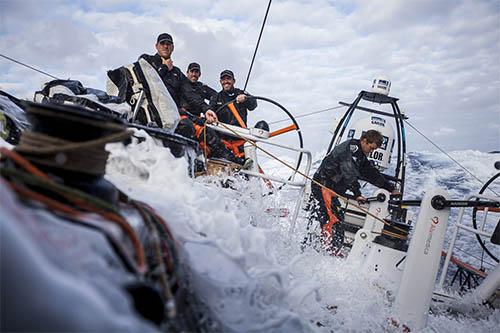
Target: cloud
x,y
442,56
444,131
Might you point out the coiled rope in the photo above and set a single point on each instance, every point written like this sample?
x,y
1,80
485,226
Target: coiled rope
x,y
84,157
83,153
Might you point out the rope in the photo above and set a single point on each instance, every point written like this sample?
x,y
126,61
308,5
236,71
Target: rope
x,y
307,114
312,180
78,198
30,143
448,155
86,157
28,66
161,225
82,197
391,234
257,46
164,258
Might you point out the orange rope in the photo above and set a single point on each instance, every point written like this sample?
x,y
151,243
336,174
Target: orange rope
x,y
125,226
162,221
56,205
24,163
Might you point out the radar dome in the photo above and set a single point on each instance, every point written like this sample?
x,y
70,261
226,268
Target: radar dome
x,y
381,85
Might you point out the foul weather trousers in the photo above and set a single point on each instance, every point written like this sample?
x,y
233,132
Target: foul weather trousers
x,y
326,210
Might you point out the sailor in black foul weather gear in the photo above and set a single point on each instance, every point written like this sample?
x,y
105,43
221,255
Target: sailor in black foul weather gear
x,y
340,171
171,75
229,93
234,113
190,126
204,93
173,78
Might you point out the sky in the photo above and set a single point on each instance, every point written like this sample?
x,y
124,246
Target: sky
x,y
443,57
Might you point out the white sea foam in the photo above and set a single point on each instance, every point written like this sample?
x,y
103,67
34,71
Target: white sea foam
x,y
248,267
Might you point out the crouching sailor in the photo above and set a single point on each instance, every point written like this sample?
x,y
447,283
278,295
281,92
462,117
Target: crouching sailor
x,y
339,171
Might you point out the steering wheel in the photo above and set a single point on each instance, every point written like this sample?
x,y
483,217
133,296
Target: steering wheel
x,y
474,212
289,135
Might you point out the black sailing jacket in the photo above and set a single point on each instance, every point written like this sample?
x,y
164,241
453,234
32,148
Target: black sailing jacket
x,y
225,115
346,163
198,106
174,80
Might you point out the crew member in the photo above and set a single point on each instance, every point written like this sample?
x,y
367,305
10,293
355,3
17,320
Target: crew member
x,y
204,93
339,171
176,83
234,113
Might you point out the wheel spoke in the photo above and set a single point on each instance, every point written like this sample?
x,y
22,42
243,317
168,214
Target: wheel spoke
x,y
283,130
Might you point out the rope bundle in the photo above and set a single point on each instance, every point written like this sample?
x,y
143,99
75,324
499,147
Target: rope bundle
x,y
69,138
87,157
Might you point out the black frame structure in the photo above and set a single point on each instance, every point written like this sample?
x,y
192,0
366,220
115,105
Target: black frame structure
x,y
400,170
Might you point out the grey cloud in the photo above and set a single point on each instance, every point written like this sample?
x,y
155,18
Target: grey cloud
x,y
379,15
442,56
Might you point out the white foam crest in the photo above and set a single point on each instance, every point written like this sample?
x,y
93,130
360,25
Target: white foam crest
x,y
248,268
227,254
